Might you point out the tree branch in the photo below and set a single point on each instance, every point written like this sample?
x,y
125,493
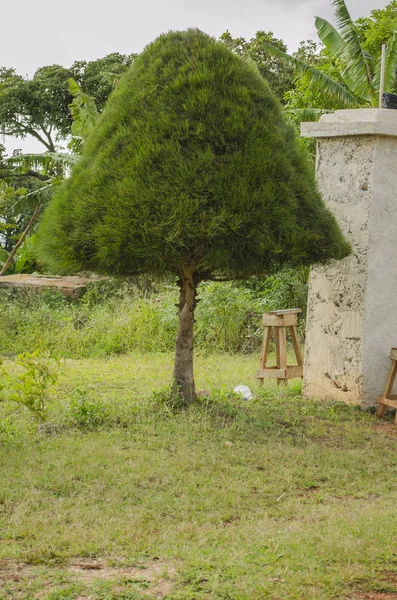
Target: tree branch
x,y
37,175
23,130
51,146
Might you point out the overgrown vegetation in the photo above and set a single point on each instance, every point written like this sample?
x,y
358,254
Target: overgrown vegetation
x,y
116,317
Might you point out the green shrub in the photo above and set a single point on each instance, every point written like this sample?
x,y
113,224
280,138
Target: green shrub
x,y
29,388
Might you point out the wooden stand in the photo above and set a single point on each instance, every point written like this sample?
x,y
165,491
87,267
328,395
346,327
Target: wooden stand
x,y
388,399
280,320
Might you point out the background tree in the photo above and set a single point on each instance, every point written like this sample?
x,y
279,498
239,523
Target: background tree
x,y
378,28
277,73
357,77
39,106
57,106
36,107
44,172
97,78
191,170
309,98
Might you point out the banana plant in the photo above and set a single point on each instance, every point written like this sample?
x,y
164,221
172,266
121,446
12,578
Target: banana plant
x,y
84,114
360,72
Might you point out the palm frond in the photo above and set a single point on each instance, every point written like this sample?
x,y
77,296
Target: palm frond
x,y
357,64
46,163
390,66
334,43
329,36
331,87
307,114
40,195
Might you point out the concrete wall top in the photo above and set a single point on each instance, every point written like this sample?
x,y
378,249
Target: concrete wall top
x,y
353,122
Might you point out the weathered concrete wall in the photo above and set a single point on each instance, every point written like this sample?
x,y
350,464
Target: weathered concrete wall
x,y
352,309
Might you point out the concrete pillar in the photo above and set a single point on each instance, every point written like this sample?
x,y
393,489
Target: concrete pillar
x,y
352,308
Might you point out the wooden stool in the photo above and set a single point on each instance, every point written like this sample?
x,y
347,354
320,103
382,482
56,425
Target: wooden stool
x,y
388,399
280,320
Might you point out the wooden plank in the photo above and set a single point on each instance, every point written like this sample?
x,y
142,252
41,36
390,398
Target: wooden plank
x,y
294,371
387,402
271,372
393,354
279,321
67,285
286,311
296,344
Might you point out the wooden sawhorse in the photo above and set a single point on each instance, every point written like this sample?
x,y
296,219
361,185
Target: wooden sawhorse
x,y
389,399
282,371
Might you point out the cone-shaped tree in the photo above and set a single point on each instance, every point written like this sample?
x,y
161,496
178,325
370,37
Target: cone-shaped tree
x,y
191,169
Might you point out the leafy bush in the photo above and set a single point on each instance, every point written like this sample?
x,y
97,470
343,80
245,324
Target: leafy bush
x,y
29,388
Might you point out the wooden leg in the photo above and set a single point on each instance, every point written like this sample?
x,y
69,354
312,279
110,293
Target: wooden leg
x,y
390,379
296,344
265,350
281,351
277,340
380,411
388,389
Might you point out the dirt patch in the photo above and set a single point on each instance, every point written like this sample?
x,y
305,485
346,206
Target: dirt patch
x,y
374,596
388,577
385,428
14,571
306,492
156,577
151,572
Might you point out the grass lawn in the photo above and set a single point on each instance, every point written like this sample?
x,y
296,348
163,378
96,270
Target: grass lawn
x,y
122,497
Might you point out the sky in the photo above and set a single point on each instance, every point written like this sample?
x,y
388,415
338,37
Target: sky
x,y
45,32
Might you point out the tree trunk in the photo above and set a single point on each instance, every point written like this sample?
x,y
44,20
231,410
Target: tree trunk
x,y
183,369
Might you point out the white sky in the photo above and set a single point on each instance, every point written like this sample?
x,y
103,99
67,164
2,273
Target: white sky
x,y
48,32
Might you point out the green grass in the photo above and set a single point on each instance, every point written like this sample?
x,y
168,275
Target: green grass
x,y
281,497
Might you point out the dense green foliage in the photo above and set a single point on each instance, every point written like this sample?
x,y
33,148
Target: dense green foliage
x,y
378,28
346,72
278,75
54,104
43,173
191,165
39,106
113,319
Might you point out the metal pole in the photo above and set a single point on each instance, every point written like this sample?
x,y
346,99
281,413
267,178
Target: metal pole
x,y
382,75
